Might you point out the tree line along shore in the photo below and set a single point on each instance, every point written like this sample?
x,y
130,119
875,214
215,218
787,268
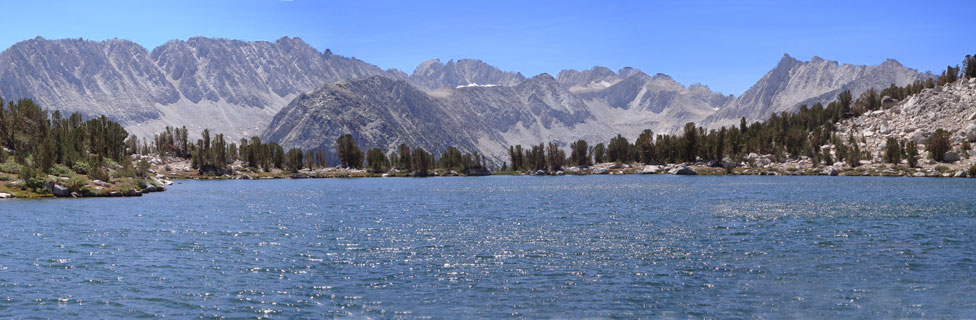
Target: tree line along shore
x,y
44,154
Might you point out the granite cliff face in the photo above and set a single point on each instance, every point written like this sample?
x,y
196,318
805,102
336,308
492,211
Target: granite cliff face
x,y
382,112
229,86
115,77
793,83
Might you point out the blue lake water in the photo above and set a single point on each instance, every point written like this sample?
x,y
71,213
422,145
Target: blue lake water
x,y
490,247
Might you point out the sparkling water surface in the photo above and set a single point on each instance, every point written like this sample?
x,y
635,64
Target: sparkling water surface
x,y
497,247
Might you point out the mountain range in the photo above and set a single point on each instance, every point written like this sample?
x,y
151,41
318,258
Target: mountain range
x,y
289,92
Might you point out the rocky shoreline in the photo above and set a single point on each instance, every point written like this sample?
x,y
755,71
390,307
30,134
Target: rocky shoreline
x,y
756,165
96,188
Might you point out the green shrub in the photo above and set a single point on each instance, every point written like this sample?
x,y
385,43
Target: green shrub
x,y
942,169
123,173
111,164
99,173
142,168
61,170
77,182
10,166
972,171
80,167
33,179
4,177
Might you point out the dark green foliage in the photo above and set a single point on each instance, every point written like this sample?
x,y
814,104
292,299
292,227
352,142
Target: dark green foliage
x,y
826,158
349,153
453,159
315,158
33,179
579,154
645,147
278,156
51,143
209,155
969,67
599,153
868,101
938,144
892,151
911,154
950,75
421,162
60,170
294,160
376,161
517,158
691,146
844,99
142,168
172,142
555,157
619,150
536,158
404,155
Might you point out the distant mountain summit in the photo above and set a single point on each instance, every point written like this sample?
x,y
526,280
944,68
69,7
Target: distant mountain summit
x,y
432,74
793,83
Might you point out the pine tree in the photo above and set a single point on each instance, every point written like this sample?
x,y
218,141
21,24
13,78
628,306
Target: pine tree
x,y
555,157
599,153
349,153
376,160
938,144
619,150
579,155
420,162
645,147
294,160
404,155
911,153
892,151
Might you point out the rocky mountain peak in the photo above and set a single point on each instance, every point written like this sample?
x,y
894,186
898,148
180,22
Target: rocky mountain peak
x,y
597,75
891,63
432,74
787,62
627,71
661,76
793,83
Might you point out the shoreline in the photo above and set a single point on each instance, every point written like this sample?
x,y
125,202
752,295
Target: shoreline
x,y
164,178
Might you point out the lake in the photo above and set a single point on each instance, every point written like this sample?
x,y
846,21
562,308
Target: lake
x,y
497,247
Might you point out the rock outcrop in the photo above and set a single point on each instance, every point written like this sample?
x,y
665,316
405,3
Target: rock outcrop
x,y
948,107
683,171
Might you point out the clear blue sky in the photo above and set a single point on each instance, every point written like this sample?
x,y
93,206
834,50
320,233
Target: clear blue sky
x,y
727,45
